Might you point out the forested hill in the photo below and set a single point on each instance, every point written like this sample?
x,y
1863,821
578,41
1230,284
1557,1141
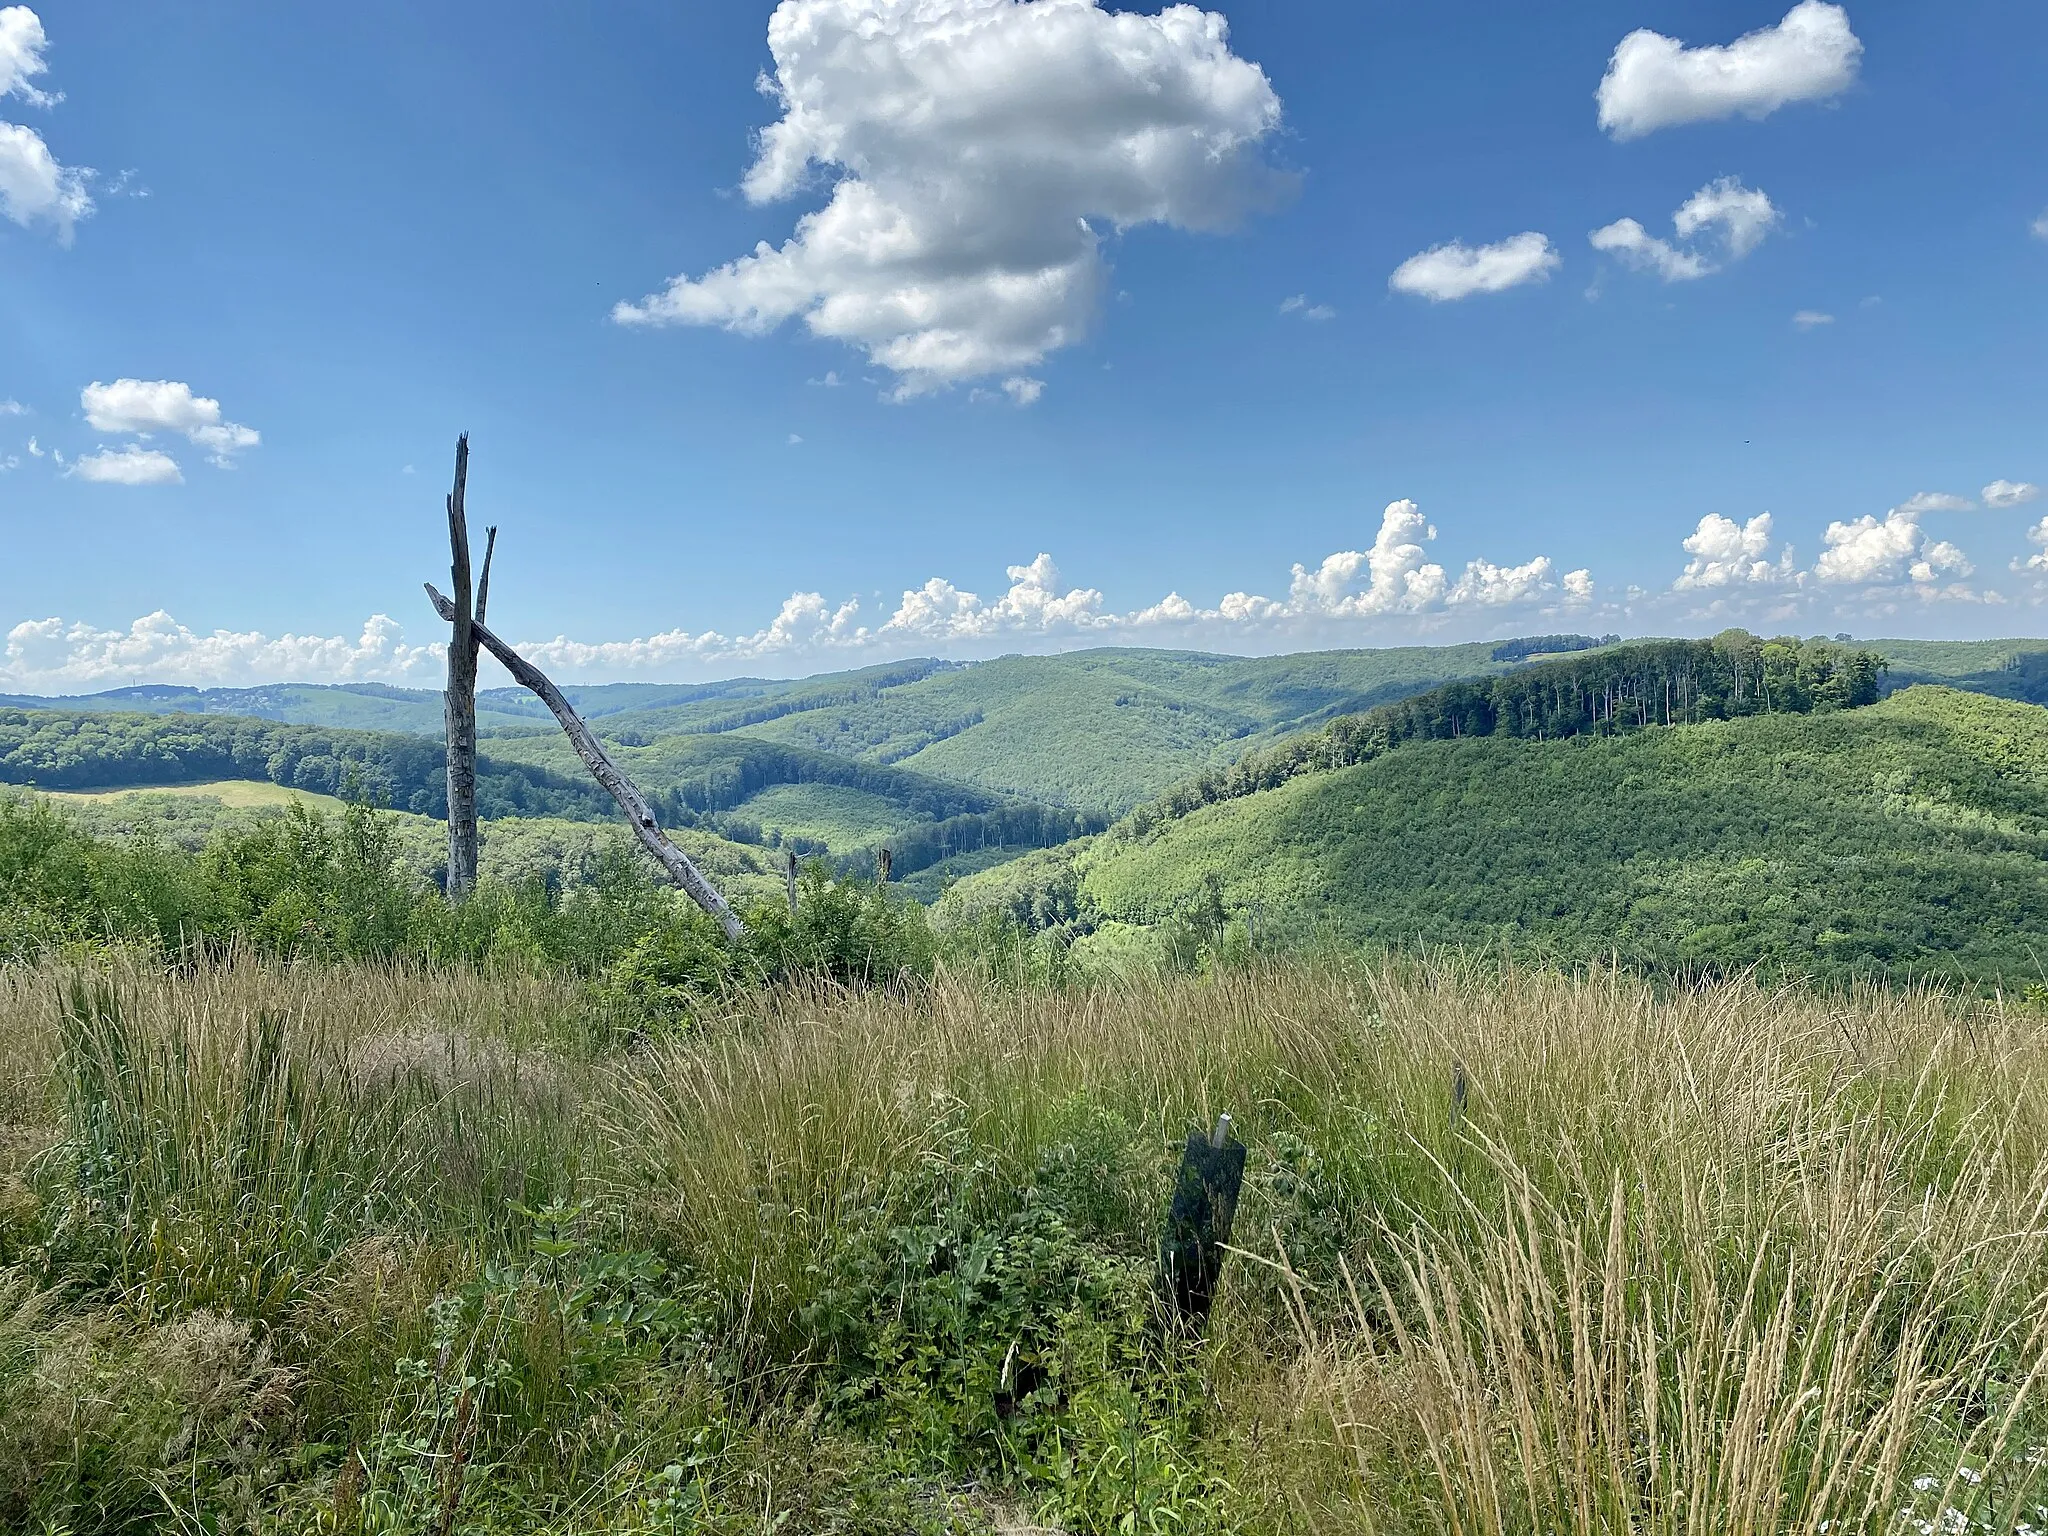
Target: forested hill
x,y
66,749
749,790
1608,692
1911,835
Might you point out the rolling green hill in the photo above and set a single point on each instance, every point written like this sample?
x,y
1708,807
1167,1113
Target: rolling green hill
x,y
546,848
97,749
1909,834
1096,732
2005,669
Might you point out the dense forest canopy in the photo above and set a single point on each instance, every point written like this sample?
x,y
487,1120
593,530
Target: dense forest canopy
x,y
1901,838
1610,691
68,749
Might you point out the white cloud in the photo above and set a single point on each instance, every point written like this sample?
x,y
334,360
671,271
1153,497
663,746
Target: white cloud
x,y
164,405
1736,219
831,380
1391,590
33,451
981,149
1742,214
1642,250
1872,551
22,42
132,465
2040,226
2000,495
794,439
1726,553
51,656
2038,534
1457,271
1807,319
1934,501
1299,305
12,408
33,186
1496,586
1023,390
9,462
1655,82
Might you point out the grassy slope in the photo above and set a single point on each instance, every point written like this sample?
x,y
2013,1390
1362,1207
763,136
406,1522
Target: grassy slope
x,y
235,794
1730,1261
1910,832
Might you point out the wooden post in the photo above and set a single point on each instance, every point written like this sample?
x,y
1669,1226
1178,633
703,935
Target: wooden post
x,y
789,877
1198,1222
639,814
459,701
882,862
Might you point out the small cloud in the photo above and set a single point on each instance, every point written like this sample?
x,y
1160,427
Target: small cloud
x,y
2000,495
1023,391
2040,226
830,381
1871,301
1807,319
133,465
1654,81
794,439
407,470
1642,250
1739,216
1934,501
10,462
144,406
1300,305
1458,271
34,452
12,408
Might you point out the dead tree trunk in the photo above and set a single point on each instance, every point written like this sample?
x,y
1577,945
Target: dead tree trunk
x,y
459,702
638,812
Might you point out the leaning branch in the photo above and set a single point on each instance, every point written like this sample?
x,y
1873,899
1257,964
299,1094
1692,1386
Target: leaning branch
x,y
606,772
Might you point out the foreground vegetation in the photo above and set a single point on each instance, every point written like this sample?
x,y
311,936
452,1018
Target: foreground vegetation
x,y
299,1248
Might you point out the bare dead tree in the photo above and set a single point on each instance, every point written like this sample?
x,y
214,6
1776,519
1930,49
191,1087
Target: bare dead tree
x,y
622,789
459,701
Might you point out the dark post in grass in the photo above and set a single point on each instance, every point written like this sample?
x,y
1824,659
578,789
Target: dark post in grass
x,y
789,877
883,860
1198,1222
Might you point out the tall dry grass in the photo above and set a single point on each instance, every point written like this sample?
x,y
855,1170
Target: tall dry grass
x,y
1726,1259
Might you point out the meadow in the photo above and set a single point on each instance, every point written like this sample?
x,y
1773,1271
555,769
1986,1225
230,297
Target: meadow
x,y
379,1247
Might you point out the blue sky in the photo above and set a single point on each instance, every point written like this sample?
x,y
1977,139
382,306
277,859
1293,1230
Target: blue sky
x,y
1137,311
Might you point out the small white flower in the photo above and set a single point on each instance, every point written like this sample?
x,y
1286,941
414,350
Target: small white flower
x,y
1969,1476
1925,1484
1954,1522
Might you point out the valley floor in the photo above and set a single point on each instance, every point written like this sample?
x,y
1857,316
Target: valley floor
x,y
292,1248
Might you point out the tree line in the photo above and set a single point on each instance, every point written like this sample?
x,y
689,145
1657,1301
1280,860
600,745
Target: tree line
x,y
1611,691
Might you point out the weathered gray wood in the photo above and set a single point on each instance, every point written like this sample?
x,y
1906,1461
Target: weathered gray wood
x,y
483,584
459,701
622,789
